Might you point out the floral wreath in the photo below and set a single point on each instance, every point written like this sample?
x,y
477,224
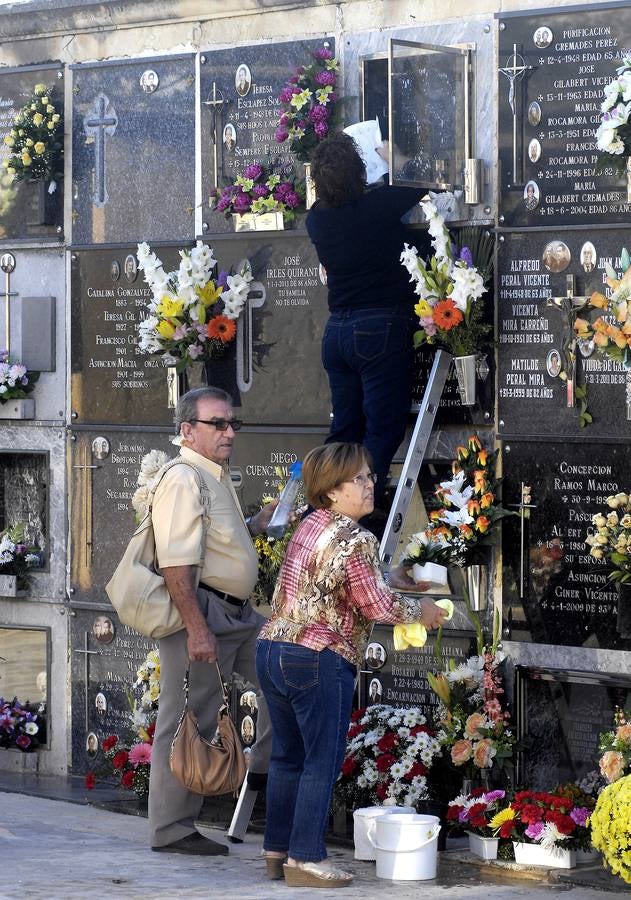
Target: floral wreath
x,y
261,190
16,382
36,139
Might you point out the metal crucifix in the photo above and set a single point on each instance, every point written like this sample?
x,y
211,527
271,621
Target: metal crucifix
x,y
7,264
216,101
514,70
99,123
570,305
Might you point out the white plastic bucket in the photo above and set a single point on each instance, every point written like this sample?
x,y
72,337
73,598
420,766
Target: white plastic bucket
x,y
364,823
407,847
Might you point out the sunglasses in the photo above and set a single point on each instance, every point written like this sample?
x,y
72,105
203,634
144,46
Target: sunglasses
x,y
221,424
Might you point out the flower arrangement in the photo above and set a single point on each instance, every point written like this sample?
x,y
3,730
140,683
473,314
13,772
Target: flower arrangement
x,y
449,290
615,747
389,753
307,103
191,316
16,382
150,466
271,551
129,759
611,331
36,139
468,510
611,826
424,547
17,557
613,136
611,538
21,725
474,811
548,819
260,190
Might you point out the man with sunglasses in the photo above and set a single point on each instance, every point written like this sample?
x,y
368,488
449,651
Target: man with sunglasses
x,y
219,623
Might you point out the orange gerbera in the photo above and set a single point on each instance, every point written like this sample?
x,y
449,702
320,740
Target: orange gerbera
x,y
446,315
222,328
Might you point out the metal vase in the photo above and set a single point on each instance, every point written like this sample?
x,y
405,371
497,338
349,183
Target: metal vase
x,y
193,376
628,173
465,373
476,583
310,193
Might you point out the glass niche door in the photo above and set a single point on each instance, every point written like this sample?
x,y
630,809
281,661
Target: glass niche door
x,y
422,97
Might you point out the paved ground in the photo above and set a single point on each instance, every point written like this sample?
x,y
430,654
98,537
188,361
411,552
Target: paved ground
x,y
60,851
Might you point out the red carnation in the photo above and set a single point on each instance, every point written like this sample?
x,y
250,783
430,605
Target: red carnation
x,y
417,769
419,729
506,829
353,731
151,731
453,813
477,809
110,742
356,716
530,813
387,742
127,779
477,792
478,821
348,766
120,759
382,791
90,781
384,762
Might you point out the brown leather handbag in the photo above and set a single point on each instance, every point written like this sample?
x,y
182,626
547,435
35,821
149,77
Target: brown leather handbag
x,y
208,767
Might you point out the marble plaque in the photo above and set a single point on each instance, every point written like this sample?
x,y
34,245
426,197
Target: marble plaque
x,y
554,67
559,717
27,209
111,381
133,151
239,90
554,592
532,334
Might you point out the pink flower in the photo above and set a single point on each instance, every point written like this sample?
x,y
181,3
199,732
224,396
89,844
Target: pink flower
x,y
140,754
483,753
473,725
461,752
580,815
612,765
623,733
535,830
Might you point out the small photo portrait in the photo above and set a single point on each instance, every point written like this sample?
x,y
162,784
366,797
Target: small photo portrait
x,y
115,270
375,691
103,629
131,268
556,256
247,730
100,447
243,80
586,347
588,257
229,137
542,37
92,744
534,114
553,363
531,195
149,81
375,655
247,702
101,705
534,150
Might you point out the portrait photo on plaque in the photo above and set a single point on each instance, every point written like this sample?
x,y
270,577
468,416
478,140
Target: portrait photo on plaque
x,y
131,268
375,691
100,702
556,256
542,37
586,347
92,745
375,655
534,150
588,257
531,195
553,363
149,81
103,629
247,702
534,114
100,447
115,270
229,137
243,80
247,730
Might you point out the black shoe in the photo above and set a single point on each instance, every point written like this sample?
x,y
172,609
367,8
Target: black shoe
x,y
195,845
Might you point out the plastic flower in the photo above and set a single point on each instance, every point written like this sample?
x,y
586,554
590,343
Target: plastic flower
x,y
140,754
222,328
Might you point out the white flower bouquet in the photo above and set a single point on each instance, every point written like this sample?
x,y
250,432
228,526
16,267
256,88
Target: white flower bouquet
x,y
613,136
426,558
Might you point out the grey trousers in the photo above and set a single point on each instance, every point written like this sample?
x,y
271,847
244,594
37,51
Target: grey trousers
x,y
172,808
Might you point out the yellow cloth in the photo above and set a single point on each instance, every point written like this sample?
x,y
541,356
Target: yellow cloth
x,y
231,563
415,634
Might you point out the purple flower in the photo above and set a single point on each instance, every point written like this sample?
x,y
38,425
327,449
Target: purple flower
x,y
535,830
463,815
492,796
23,741
285,95
284,119
332,97
253,172
292,200
281,190
324,78
222,278
259,190
224,202
321,129
323,53
241,202
466,257
580,815
319,113
281,135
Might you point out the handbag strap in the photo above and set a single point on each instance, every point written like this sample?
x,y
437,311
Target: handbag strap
x,y
226,698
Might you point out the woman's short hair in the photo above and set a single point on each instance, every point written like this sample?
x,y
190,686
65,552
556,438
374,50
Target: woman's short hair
x,y
338,170
327,466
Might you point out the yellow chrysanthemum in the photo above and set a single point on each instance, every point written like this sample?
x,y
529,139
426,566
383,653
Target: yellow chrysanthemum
x,y
165,329
170,307
210,293
504,815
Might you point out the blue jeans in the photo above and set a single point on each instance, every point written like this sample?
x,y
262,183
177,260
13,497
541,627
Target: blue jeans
x,y
309,695
368,355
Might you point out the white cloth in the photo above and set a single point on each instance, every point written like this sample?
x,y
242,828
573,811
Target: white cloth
x,y
367,136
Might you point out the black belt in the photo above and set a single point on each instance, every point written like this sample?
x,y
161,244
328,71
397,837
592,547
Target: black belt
x,y
229,598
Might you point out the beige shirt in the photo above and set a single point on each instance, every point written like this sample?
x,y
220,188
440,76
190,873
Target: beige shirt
x,y
231,563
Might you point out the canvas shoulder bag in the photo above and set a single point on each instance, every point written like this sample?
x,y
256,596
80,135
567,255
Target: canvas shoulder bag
x,y
137,589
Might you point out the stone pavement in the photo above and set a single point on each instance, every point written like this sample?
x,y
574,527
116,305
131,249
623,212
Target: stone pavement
x,y
60,851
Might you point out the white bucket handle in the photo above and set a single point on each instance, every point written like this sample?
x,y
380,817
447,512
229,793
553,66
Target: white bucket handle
x,y
432,837
370,831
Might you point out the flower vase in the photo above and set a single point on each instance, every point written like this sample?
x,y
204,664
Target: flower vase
x,y
623,621
429,571
8,586
310,192
17,409
483,847
270,221
536,855
476,583
465,373
193,376
628,174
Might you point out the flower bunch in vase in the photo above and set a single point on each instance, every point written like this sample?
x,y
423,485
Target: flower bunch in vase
x,y
308,104
389,753
610,537
22,725
191,315
611,331
449,287
36,139
473,811
17,557
427,556
259,190
16,382
615,747
611,826
613,137
548,819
